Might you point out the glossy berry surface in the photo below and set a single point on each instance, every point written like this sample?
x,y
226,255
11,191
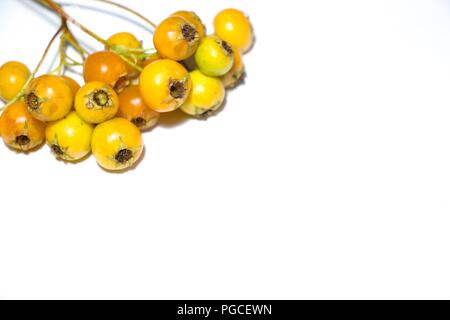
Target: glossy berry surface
x,y
107,67
133,108
176,39
49,98
233,26
164,85
69,139
207,95
19,129
214,56
13,76
117,144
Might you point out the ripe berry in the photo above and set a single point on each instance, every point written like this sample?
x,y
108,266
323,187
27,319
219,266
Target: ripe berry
x,y
133,108
107,67
19,129
117,144
234,27
164,85
70,138
13,76
214,56
96,102
49,98
175,38
207,95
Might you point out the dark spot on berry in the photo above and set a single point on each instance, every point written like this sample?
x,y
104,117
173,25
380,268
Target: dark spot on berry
x,y
123,156
32,101
206,114
139,122
101,98
121,84
239,78
226,46
177,89
57,150
22,140
189,32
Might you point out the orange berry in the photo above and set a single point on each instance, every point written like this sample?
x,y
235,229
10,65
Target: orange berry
x,y
164,85
133,108
13,76
234,27
19,129
107,67
49,98
175,38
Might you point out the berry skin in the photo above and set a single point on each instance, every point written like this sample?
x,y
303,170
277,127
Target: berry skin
x,y
117,144
176,39
214,57
19,129
164,85
207,95
13,76
234,27
96,102
107,67
235,75
49,98
193,19
74,86
132,108
69,138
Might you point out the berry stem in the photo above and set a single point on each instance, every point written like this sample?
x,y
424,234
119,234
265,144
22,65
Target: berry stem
x,y
64,60
64,15
74,42
70,38
62,50
35,71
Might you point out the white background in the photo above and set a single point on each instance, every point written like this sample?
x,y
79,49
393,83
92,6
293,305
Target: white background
x,y
327,175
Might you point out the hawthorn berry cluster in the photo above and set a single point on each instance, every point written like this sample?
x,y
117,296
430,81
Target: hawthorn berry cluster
x,y
126,87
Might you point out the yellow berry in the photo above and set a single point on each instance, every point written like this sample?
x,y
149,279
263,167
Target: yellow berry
x,y
117,144
214,57
207,95
164,85
96,102
234,27
69,138
13,76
